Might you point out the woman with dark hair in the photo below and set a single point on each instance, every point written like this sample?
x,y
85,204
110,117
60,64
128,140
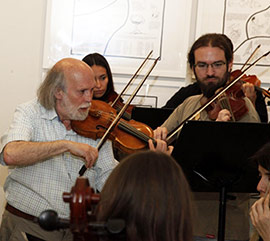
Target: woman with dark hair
x,y
104,86
260,211
104,89
150,192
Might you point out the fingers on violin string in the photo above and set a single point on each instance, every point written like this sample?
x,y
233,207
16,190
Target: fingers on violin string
x,y
160,133
224,115
249,89
151,145
170,149
161,145
164,133
154,147
158,146
155,133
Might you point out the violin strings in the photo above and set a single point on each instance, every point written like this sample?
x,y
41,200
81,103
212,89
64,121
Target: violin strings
x,y
132,130
104,116
224,102
118,107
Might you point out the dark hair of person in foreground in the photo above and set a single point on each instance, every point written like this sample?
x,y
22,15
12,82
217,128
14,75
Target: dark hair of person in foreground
x,y
150,192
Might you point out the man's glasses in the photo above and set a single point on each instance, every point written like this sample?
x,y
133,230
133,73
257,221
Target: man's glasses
x,y
204,66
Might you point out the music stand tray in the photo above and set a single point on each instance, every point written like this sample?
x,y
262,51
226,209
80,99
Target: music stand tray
x,y
215,157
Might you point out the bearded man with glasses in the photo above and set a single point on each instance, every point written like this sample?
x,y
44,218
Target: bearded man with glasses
x,y
211,59
256,97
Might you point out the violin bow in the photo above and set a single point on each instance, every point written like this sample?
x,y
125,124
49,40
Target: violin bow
x,y
173,134
264,91
250,57
118,117
132,78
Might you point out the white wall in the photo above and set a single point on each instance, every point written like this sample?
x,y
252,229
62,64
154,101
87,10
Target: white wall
x,y
22,33
21,45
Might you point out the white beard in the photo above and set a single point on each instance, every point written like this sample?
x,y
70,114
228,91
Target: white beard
x,y
73,112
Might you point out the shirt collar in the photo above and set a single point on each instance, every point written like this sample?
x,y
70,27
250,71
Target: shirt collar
x,y
48,114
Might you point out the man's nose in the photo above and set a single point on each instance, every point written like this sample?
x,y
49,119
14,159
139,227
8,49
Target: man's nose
x,y
210,70
88,95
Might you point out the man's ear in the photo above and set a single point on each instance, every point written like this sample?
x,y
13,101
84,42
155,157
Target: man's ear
x,y
193,72
58,94
230,65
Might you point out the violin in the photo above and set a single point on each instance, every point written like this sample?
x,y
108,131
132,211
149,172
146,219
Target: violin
x,y
114,121
127,136
232,100
118,105
253,79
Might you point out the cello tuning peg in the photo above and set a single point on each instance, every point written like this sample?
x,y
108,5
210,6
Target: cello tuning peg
x,y
49,221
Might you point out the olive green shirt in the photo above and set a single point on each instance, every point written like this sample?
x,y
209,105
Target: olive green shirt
x,y
191,104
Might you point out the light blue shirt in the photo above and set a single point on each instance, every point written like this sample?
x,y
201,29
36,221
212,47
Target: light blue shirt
x,y
38,187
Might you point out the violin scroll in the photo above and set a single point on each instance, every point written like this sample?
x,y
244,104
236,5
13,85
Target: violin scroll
x,y
253,79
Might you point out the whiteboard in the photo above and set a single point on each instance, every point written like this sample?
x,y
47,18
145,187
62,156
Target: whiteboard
x,y
124,31
246,23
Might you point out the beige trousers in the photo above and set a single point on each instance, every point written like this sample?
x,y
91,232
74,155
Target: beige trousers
x,y
13,228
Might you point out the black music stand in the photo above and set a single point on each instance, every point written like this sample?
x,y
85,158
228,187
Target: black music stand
x,y
154,117
215,157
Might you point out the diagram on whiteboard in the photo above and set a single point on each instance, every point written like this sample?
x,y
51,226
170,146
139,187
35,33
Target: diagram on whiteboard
x,y
246,22
120,28
124,31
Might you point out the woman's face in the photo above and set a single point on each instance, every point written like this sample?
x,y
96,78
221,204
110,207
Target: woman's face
x,y
101,80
